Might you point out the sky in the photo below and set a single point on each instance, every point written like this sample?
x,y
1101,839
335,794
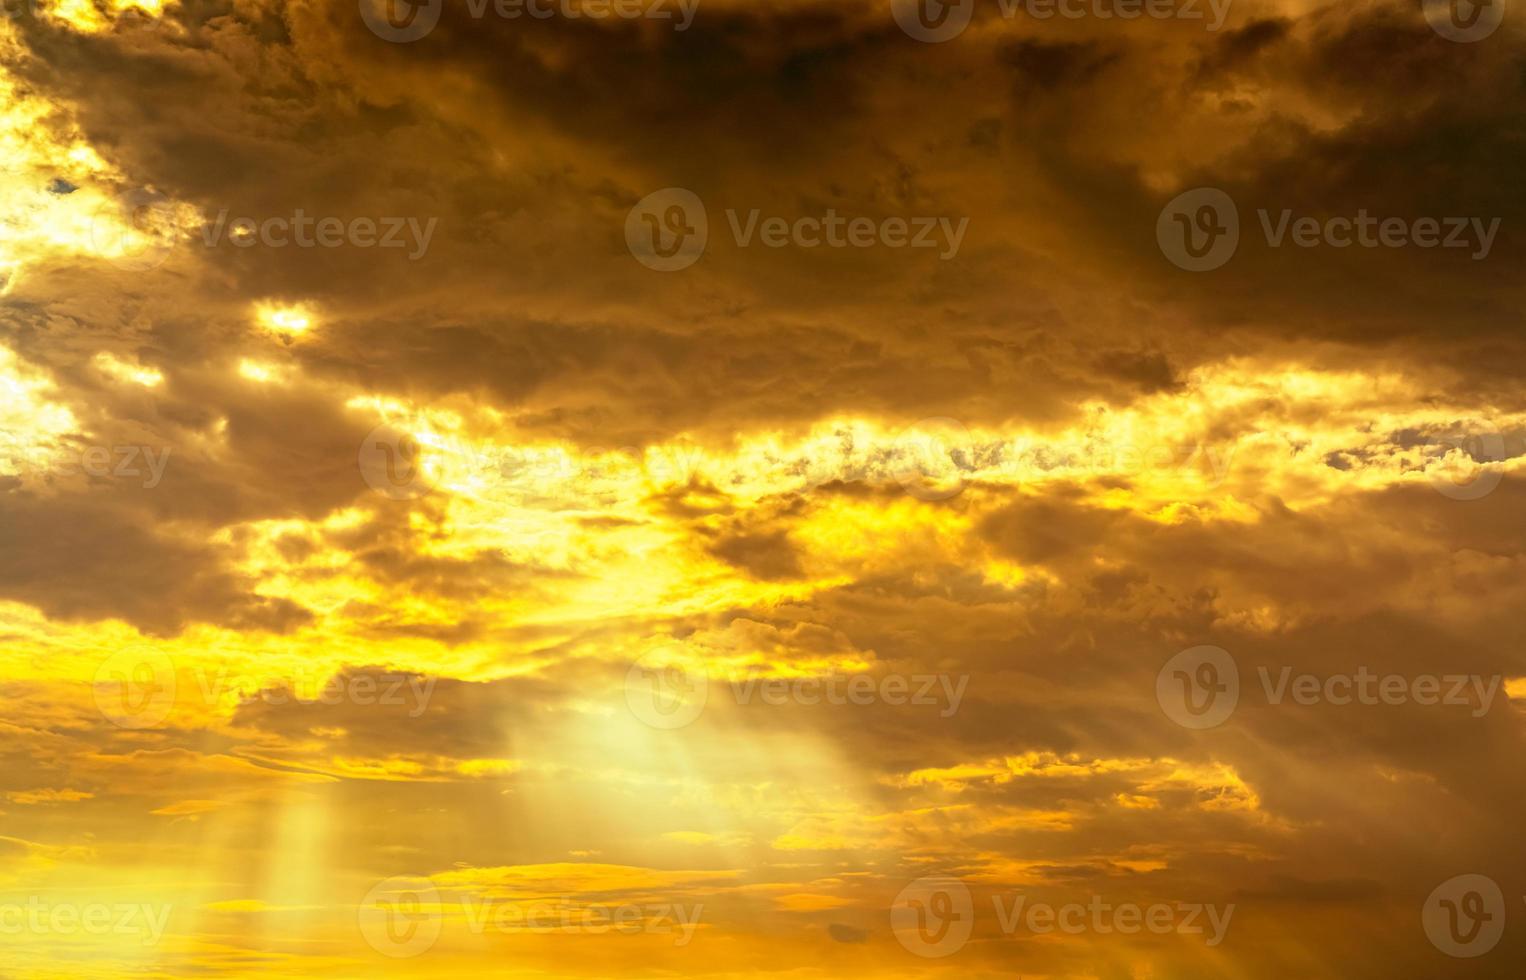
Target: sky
x,y
784,488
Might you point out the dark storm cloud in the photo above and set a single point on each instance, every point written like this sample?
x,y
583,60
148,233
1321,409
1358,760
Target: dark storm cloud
x,y
83,558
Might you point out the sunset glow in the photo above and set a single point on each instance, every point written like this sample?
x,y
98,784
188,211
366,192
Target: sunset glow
x,y
798,489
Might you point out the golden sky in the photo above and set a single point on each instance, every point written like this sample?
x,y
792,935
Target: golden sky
x,y
790,488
